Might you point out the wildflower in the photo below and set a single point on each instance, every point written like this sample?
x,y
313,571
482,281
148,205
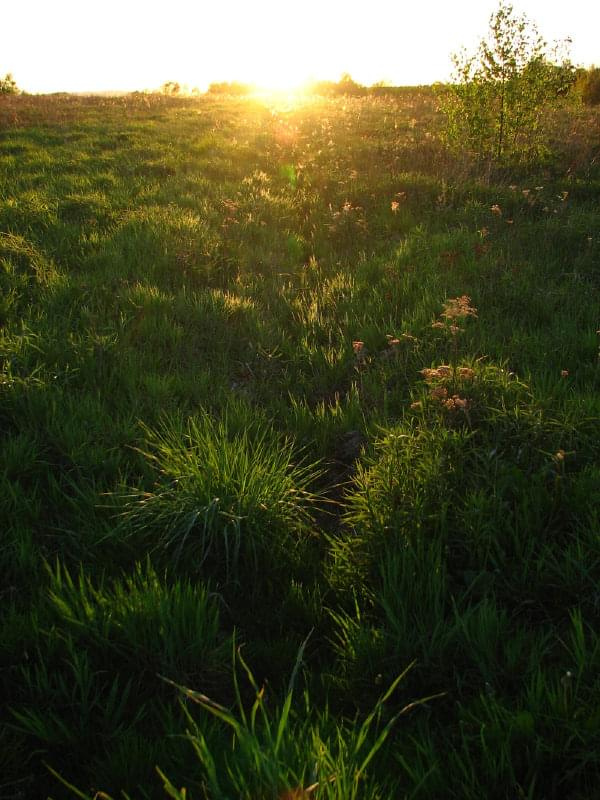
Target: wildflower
x,y
429,374
454,402
483,232
416,406
438,325
495,209
460,402
459,307
395,206
393,342
438,392
358,347
560,455
526,192
564,373
466,373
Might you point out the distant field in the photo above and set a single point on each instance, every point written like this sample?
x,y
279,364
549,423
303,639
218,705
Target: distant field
x,y
292,400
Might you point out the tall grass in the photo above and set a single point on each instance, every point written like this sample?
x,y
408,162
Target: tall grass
x,y
267,373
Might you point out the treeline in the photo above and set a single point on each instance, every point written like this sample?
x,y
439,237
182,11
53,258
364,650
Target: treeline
x,y
345,86
585,84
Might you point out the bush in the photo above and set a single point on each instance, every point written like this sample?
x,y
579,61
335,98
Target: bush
x,y
8,85
591,87
171,88
230,88
496,106
345,86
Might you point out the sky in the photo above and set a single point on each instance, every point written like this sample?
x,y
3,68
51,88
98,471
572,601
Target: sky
x,y
94,45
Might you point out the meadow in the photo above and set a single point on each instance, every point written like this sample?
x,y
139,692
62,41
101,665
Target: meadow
x,y
300,464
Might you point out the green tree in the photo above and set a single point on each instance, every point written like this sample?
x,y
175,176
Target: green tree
x,y
8,85
497,105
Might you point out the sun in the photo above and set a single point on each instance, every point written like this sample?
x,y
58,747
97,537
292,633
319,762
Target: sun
x,y
275,46
283,92
280,77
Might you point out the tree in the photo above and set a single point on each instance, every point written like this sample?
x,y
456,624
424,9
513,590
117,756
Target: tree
x,y
347,85
171,88
497,104
8,85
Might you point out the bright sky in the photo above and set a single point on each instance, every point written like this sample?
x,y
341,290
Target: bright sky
x,y
89,45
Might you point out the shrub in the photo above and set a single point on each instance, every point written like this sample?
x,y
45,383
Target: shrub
x,y
345,86
591,87
230,88
496,106
8,85
171,88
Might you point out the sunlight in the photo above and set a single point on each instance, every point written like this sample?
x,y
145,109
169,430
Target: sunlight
x,y
278,50
272,68
287,78
284,98
269,43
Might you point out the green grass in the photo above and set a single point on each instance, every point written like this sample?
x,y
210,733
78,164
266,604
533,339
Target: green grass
x,y
236,417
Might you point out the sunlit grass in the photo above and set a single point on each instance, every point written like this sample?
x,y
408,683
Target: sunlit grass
x,y
286,371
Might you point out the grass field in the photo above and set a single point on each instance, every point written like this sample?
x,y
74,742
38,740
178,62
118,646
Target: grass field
x,y
300,465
